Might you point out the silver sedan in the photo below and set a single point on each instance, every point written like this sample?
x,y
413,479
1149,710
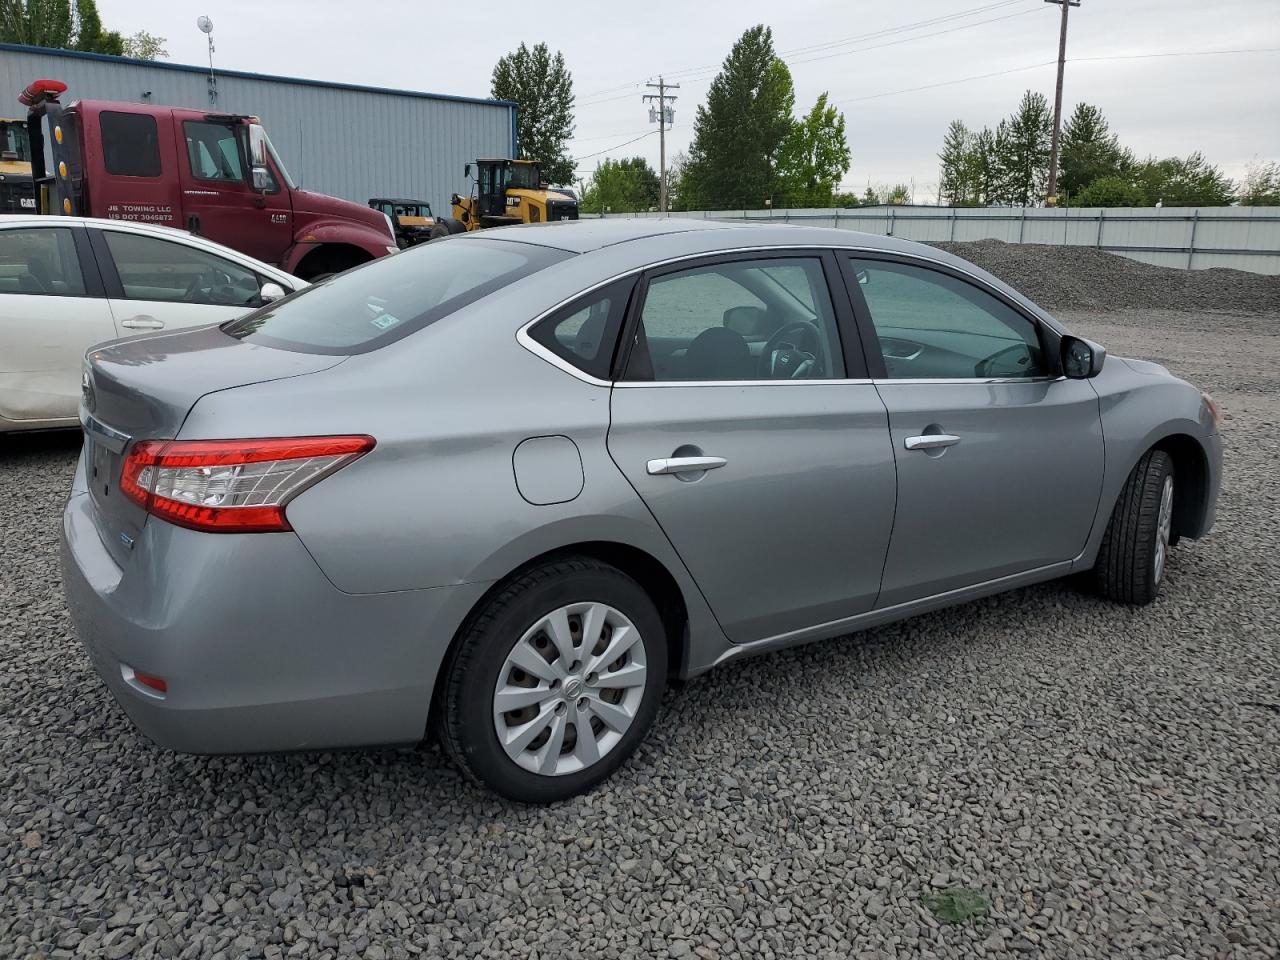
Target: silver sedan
x,y
502,487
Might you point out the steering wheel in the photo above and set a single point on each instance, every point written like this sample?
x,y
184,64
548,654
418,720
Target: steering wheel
x,y
1017,353
212,286
782,358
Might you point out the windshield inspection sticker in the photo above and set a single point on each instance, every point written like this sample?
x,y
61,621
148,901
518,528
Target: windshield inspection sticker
x,y
384,321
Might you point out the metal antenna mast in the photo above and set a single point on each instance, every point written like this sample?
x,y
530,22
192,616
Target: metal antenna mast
x,y
664,115
1052,197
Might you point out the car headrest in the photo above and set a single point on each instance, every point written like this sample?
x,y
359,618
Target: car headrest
x,y
718,353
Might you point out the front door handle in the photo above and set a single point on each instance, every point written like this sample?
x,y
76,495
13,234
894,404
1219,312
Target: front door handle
x,y
667,465
143,322
931,441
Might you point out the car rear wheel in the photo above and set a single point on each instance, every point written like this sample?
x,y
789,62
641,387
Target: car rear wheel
x,y
1135,548
554,683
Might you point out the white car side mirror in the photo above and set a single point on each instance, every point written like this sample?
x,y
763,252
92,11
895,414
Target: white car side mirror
x,y
271,292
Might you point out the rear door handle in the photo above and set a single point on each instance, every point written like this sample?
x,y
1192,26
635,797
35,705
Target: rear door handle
x,y
931,441
667,465
143,322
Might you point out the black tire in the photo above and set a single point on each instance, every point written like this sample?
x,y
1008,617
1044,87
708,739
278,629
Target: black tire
x,y
455,226
1127,567
466,719
439,230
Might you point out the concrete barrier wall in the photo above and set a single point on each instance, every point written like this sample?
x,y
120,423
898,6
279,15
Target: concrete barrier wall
x,y
1196,238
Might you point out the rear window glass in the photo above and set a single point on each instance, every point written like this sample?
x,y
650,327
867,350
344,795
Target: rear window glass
x,y
391,297
130,144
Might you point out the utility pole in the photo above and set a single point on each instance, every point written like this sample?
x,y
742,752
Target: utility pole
x,y
664,116
1057,101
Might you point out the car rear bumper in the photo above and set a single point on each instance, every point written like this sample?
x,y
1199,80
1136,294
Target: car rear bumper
x,y
259,651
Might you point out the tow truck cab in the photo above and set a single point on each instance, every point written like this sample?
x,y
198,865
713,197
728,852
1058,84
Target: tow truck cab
x,y
213,174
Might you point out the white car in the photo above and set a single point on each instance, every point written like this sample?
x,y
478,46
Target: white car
x,y
67,283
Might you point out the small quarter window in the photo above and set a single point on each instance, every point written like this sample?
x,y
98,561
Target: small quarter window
x,y
130,144
586,332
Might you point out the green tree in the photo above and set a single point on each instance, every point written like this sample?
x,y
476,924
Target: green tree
x,y
1022,146
984,168
145,46
622,186
542,89
1089,151
815,156
1190,181
37,23
90,36
901,194
871,197
739,133
1110,191
845,199
955,180
1261,187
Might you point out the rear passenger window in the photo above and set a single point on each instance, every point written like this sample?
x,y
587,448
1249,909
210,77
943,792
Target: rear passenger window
x,y
130,144
586,332
767,319
40,261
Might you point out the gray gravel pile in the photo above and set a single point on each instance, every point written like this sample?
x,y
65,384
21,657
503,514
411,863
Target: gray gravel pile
x,y
1084,278
1108,778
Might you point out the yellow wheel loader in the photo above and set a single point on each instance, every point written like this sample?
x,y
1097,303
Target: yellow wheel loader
x,y
506,192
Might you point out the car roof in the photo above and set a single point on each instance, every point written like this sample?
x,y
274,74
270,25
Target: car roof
x,y
420,203
584,236
156,229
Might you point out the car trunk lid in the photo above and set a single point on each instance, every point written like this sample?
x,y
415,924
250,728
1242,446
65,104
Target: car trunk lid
x,y
143,388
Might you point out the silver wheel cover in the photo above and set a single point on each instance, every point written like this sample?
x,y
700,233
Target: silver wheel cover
x,y
569,689
1164,526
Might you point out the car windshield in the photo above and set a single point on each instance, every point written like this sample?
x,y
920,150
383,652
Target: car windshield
x,y
391,297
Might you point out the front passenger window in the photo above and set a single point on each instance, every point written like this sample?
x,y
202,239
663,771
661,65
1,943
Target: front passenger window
x,y
766,319
152,269
934,326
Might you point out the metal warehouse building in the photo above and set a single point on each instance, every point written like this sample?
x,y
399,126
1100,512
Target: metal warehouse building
x,y
344,140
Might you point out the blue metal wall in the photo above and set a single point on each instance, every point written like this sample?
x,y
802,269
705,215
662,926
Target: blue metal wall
x,y
347,141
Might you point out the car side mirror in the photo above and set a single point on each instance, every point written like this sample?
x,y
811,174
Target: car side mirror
x,y
271,291
466,171
1081,359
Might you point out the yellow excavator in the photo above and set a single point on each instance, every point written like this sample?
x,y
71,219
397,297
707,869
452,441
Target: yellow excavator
x,y
17,193
505,192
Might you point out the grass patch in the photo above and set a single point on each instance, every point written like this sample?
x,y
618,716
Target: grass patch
x,y
956,904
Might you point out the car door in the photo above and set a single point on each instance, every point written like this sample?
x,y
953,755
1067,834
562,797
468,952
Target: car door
x,y
999,458
218,198
51,311
155,283
754,438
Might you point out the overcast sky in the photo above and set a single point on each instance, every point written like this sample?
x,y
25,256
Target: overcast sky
x,y
1227,106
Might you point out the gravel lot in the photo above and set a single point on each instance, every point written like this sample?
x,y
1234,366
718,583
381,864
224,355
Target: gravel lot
x,y
1109,778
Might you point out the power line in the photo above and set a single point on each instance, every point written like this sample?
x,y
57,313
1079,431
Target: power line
x,y
588,156
876,34
1048,63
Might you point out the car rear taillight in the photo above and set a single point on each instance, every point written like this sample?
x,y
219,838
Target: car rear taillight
x,y
231,486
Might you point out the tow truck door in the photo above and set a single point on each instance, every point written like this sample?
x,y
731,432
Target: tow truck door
x,y
218,201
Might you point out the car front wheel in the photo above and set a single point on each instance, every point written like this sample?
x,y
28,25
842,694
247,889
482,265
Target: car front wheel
x,y
1135,548
554,683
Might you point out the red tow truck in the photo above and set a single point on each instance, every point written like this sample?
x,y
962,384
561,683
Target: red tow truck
x,y
213,174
